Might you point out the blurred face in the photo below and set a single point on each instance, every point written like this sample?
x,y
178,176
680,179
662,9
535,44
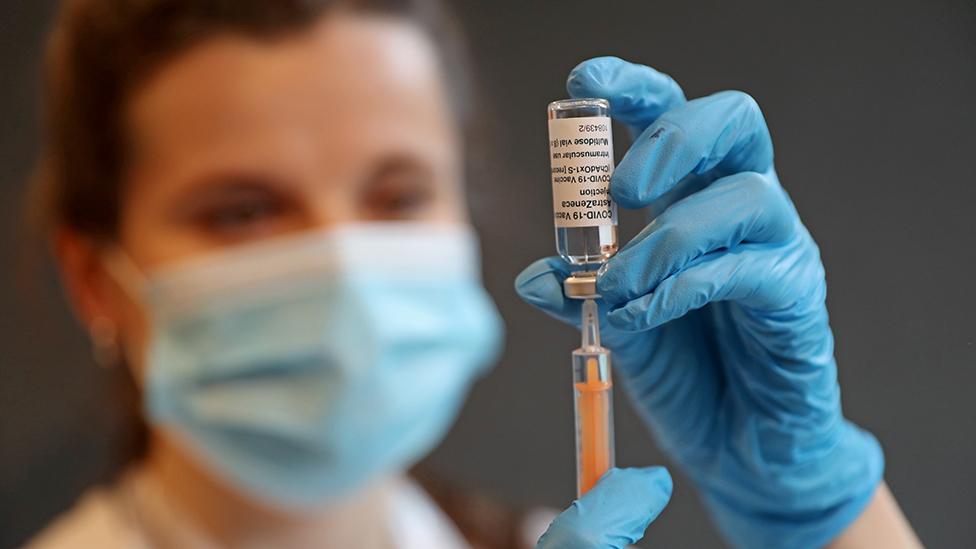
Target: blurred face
x,y
238,140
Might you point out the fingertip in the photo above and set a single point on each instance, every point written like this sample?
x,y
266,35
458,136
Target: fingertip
x,y
593,77
662,479
653,485
614,280
638,94
538,283
656,482
541,285
529,274
626,187
554,265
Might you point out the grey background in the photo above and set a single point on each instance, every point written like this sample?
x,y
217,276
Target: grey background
x,y
871,106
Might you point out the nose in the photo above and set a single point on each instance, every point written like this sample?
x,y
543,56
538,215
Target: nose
x,y
328,209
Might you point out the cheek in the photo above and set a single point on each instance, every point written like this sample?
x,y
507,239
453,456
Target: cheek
x,y
452,206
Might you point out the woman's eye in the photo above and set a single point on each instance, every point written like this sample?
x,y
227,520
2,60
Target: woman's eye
x,y
401,188
400,201
408,203
240,215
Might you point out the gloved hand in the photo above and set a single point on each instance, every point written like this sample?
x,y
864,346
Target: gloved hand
x,y
715,314
614,513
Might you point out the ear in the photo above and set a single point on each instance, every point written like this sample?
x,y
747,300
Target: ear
x,y
87,285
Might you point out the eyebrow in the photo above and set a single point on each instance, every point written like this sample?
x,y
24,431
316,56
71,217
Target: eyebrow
x,y
234,179
395,164
222,183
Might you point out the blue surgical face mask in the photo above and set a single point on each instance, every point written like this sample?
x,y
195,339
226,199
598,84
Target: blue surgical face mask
x,y
299,369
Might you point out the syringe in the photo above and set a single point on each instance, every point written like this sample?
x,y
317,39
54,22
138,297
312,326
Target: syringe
x,y
594,403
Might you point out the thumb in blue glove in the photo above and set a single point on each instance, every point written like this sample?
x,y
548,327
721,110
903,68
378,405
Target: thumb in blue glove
x,y
614,514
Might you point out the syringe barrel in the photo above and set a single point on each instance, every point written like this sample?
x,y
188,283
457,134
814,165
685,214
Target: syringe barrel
x,y
593,391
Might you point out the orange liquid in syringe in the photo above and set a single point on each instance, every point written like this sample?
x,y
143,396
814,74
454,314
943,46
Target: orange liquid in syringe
x,y
594,443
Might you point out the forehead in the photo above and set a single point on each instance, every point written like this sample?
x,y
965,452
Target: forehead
x,y
350,85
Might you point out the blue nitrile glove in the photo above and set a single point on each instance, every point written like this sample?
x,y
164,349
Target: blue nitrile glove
x,y
715,314
614,513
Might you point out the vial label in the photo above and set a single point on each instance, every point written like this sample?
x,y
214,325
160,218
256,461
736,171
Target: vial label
x,y
581,150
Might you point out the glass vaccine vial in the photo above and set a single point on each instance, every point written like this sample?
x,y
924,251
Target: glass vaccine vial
x,y
585,217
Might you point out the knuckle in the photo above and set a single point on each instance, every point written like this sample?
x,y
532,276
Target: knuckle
x,y
758,186
743,101
773,207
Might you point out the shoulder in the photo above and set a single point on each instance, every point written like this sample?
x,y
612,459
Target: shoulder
x,y
97,520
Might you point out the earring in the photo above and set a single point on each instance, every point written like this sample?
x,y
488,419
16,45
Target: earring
x,y
105,342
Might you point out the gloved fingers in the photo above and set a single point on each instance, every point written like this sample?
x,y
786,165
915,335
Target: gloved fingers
x,y
614,513
637,94
718,135
541,285
747,273
743,208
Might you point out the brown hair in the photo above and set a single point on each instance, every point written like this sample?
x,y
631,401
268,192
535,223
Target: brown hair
x,y
100,51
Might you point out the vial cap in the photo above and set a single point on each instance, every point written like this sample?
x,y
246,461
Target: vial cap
x,y
581,285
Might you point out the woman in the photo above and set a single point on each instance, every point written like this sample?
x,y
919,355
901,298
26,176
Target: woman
x,y
257,209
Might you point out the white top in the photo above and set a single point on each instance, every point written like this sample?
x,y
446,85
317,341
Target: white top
x,y
105,518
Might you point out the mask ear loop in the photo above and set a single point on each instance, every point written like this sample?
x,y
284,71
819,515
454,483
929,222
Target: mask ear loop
x,y
104,335
125,273
105,342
